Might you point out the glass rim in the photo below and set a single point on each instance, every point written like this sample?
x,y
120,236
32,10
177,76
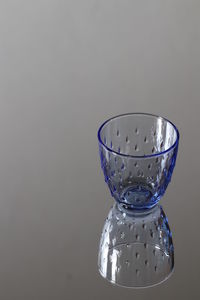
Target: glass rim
x,y
137,156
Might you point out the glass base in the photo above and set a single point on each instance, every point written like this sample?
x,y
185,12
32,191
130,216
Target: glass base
x,y
138,198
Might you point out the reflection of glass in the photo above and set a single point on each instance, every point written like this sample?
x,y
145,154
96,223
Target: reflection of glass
x,y
136,249
138,154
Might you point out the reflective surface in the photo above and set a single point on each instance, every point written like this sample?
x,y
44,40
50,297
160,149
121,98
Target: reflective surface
x,y
136,248
66,66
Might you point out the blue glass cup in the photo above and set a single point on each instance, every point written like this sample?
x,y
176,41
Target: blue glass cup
x,y
138,153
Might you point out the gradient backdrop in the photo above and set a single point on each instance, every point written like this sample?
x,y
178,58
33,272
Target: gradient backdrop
x,y
65,67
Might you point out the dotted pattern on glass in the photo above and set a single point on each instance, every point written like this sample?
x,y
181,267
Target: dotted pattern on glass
x,y
140,179
136,250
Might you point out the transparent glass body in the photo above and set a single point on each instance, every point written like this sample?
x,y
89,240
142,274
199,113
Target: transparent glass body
x,y
138,154
136,249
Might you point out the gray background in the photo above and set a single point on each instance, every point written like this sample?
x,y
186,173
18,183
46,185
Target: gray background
x,y
66,66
